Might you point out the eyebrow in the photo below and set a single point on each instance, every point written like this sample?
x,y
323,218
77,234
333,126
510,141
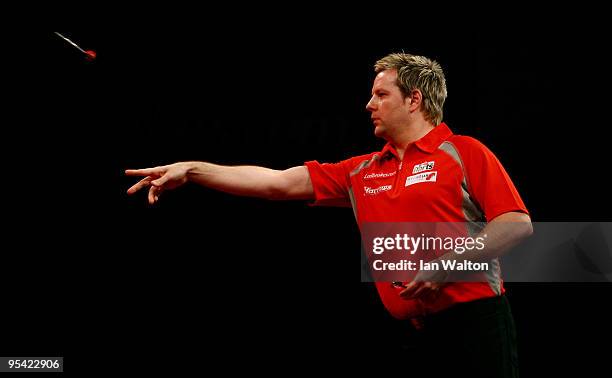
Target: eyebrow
x,y
378,90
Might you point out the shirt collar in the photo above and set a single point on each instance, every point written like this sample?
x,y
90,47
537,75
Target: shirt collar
x,y
428,143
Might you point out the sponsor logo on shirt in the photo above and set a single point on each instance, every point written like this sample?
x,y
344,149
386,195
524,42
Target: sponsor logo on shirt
x,y
374,191
370,176
422,177
427,166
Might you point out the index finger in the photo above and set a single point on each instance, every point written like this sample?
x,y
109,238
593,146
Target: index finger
x,y
141,172
422,291
410,289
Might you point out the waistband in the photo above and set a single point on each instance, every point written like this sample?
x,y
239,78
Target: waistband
x,y
461,313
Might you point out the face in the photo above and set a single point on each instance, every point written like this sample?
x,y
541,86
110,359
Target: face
x,y
390,110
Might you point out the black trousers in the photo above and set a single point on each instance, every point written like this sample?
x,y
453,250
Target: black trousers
x,y
473,339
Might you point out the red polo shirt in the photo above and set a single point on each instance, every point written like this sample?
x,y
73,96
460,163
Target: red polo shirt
x,y
442,178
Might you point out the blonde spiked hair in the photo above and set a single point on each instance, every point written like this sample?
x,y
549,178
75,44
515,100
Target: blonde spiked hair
x,y
418,72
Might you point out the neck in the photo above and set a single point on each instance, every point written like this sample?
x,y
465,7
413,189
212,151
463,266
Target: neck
x,y
410,135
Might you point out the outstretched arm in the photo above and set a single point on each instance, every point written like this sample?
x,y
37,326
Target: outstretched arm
x,y
292,183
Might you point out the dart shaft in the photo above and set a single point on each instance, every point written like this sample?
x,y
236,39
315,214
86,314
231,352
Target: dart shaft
x,y
72,43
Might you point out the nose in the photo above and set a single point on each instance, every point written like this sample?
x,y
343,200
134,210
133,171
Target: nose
x,y
370,106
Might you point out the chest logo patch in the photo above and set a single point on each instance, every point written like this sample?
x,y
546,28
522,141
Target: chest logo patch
x,y
422,177
379,175
427,166
375,191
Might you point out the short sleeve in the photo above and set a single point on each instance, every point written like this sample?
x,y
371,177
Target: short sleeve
x,y
331,181
488,182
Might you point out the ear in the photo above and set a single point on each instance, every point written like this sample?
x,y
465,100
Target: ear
x,y
415,98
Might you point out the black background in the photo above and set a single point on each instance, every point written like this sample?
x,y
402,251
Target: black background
x,y
91,273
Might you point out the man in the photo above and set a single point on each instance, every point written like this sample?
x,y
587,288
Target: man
x,y
467,325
